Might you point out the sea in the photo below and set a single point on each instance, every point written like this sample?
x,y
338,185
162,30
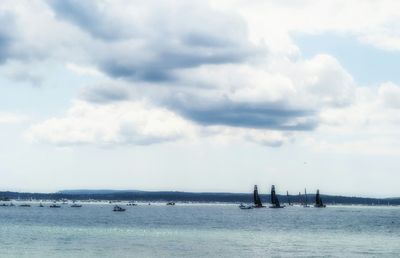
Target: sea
x,y
198,230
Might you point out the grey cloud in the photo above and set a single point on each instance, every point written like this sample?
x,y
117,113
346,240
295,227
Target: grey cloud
x,y
88,15
105,93
174,37
198,39
6,35
164,60
211,110
250,116
25,76
13,44
4,43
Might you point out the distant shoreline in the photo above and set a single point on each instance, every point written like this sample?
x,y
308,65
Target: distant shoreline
x,y
162,196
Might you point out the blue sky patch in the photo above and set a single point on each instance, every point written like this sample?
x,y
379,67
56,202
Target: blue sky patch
x,y
368,65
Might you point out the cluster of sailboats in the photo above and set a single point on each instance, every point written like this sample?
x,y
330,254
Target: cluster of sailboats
x,y
275,204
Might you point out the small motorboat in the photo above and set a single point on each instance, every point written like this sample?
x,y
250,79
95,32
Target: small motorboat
x,y
25,205
41,205
132,204
170,203
75,205
245,207
118,208
55,206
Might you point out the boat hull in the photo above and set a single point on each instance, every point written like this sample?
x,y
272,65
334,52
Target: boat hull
x,y
245,208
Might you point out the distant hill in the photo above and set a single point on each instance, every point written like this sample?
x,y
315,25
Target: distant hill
x,y
134,195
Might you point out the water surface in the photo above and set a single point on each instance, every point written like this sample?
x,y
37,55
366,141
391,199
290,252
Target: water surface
x,y
193,230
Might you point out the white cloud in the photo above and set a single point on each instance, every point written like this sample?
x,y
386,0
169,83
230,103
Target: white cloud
x,y
230,66
389,95
369,126
83,70
372,22
137,123
122,123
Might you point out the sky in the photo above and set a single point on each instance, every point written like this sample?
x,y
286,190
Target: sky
x,y
200,96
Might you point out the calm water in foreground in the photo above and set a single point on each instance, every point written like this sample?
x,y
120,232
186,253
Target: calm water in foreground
x,y
199,231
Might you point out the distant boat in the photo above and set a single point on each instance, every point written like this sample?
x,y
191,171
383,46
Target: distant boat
x,y
170,203
245,207
318,201
257,199
55,206
288,199
76,205
300,199
118,208
25,205
41,205
305,204
274,199
131,204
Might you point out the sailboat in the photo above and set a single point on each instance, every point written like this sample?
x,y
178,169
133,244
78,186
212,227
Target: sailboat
x,y
318,201
257,199
305,204
274,199
288,199
300,200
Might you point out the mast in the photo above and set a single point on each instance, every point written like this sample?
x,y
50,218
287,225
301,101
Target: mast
x,y
288,199
300,199
305,198
256,197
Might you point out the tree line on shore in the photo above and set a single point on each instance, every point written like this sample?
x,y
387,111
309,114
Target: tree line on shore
x,y
148,196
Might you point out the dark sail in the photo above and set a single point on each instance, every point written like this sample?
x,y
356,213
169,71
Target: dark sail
x,y
274,199
257,200
318,201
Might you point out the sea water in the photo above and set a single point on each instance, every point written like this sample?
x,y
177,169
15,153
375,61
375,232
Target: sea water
x,y
199,230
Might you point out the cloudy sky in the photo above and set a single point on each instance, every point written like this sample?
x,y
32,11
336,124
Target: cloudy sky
x,y
200,96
